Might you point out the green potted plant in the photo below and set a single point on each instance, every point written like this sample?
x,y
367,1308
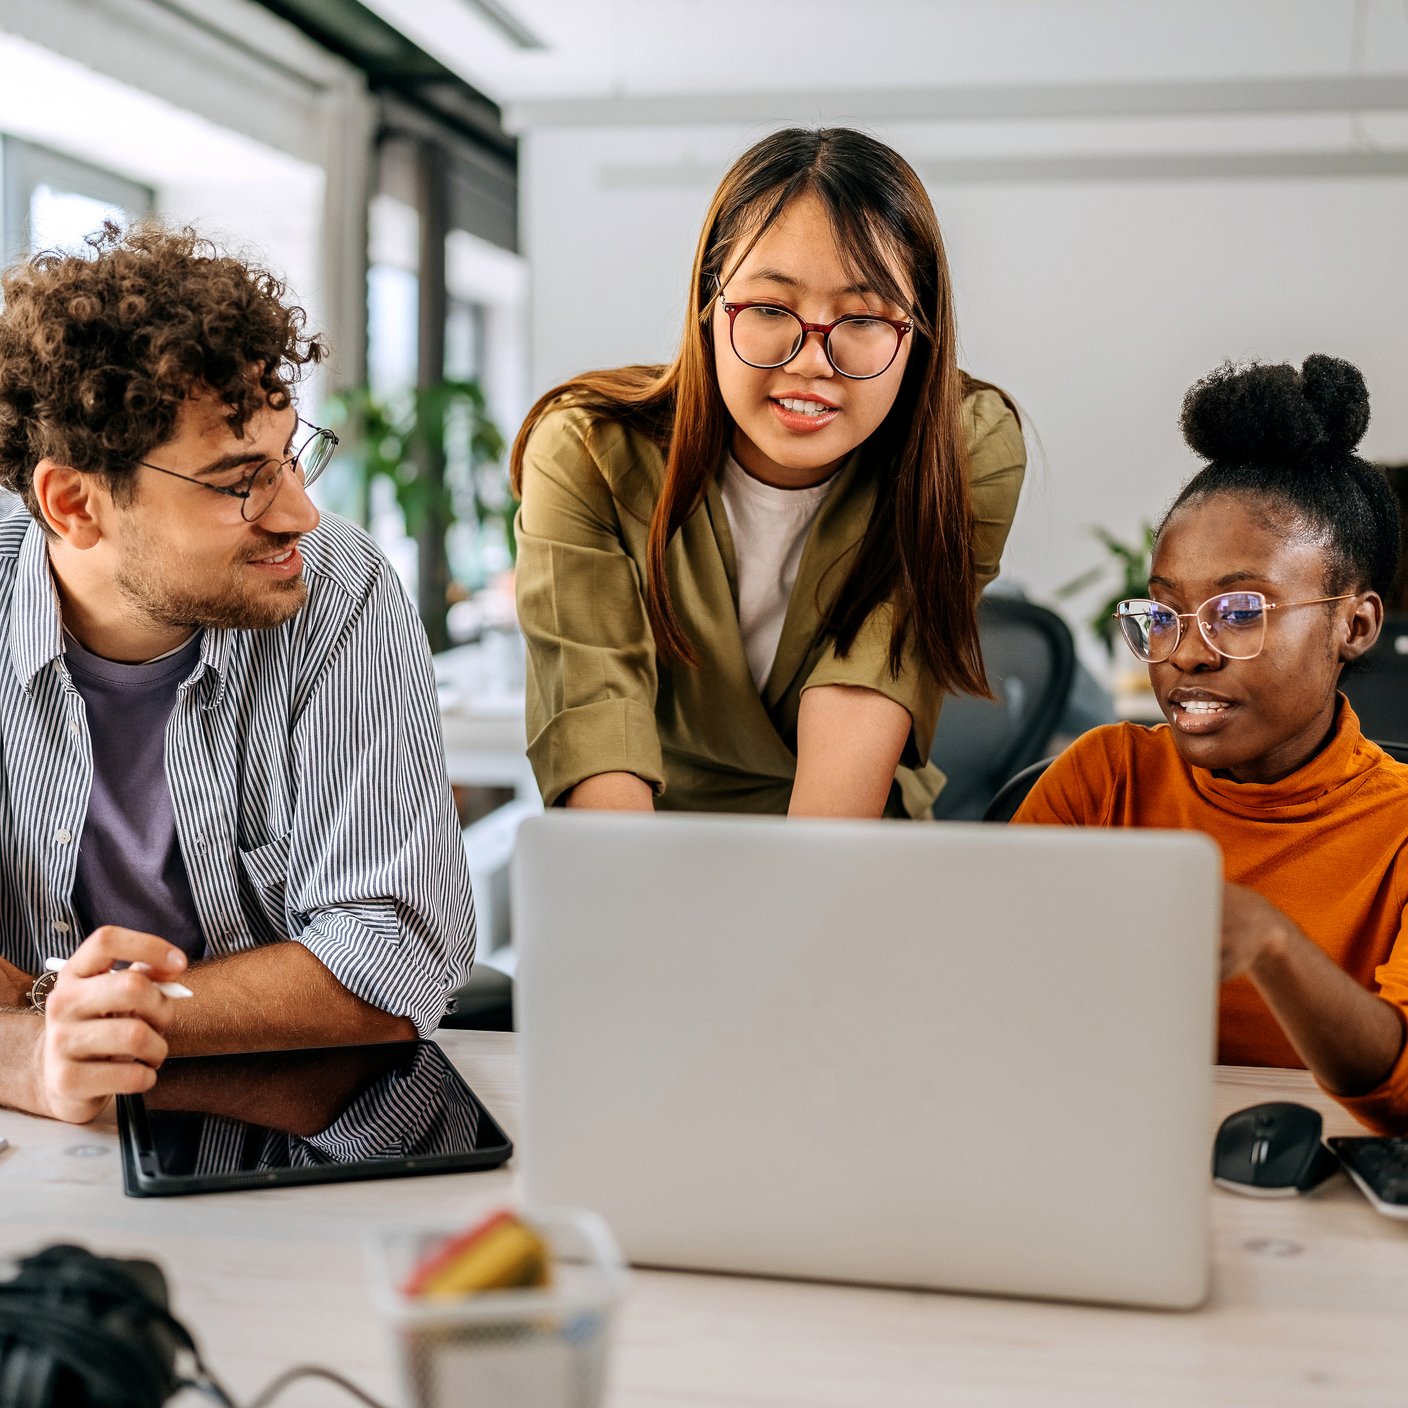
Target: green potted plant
x,y
1124,573
442,454
1127,567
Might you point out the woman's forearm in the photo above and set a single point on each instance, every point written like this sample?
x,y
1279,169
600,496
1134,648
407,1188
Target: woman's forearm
x,y
849,742
612,792
1347,1036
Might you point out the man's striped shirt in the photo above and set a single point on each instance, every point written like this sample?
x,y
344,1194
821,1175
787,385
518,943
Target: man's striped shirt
x,y
307,775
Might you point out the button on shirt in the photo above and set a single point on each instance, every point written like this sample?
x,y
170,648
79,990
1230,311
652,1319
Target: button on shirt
x,y
305,770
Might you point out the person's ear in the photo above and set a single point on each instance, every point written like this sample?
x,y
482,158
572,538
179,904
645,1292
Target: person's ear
x,y
70,502
1361,626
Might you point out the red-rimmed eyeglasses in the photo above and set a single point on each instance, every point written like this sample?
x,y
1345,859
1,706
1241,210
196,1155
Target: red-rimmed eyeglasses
x,y
858,346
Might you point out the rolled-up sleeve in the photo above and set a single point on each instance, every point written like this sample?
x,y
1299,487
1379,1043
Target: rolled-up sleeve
x,y
591,678
378,884
997,464
866,665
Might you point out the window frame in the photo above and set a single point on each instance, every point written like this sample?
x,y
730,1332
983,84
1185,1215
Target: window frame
x,y
28,165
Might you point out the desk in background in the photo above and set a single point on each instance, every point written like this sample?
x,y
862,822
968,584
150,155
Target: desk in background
x,y
480,694
1309,1302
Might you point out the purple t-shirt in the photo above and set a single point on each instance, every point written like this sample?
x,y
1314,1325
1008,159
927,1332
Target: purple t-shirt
x,y
130,870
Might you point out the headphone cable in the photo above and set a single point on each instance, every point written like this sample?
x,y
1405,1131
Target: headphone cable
x,y
209,1385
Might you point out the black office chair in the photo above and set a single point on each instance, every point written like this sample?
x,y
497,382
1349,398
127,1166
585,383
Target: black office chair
x,y
1014,791
1397,751
1378,686
981,743
484,1003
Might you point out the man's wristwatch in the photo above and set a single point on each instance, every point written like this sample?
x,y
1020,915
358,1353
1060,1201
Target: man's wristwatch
x,y
39,990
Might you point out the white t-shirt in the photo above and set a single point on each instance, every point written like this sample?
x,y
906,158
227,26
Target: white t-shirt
x,y
769,528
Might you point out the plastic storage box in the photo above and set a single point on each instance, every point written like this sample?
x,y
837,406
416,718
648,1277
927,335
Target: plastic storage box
x,y
506,1349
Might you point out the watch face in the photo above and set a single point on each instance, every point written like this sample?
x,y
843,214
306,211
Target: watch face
x,y
39,990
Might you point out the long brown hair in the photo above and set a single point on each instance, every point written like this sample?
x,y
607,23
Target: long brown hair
x,y
917,548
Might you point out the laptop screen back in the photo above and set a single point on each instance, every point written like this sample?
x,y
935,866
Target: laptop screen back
x,y
964,1057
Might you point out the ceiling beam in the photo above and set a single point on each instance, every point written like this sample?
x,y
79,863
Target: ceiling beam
x,y
938,172
1016,102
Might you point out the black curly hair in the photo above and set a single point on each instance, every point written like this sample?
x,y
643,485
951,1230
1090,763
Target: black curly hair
x,y
1288,437
100,350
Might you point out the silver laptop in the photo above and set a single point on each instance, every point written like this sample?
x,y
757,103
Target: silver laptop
x,y
974,1058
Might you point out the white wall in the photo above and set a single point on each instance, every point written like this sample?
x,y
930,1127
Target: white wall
x,y
1096,302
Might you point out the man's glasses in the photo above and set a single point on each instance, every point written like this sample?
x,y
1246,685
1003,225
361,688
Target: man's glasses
x,y
1233,624
260,487
859,346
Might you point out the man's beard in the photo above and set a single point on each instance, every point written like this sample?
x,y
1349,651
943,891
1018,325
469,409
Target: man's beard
x,y
178,606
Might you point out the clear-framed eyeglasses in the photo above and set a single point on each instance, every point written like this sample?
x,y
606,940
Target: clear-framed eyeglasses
x,y
859,345
1232,623
260,487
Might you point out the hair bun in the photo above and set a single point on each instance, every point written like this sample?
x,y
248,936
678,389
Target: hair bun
x,y
1336,390
1274,415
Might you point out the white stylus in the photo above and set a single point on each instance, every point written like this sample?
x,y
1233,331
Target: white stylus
x,y
55,965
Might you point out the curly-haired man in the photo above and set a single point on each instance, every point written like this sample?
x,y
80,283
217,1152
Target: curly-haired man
x,y
219,748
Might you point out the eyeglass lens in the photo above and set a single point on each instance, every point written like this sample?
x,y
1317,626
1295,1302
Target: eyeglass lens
x,y
1233,624
765,336
312,459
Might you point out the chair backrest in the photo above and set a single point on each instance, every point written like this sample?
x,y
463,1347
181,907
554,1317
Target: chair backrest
x,y
980,743
1378,686
1397,751
1014,791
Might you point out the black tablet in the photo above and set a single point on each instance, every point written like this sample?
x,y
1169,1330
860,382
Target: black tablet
x,y
213,1123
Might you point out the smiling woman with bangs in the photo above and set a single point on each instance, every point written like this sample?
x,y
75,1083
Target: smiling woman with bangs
x,y
747,578
1268,579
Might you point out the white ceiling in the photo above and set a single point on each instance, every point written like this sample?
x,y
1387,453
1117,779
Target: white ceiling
x,y
631,49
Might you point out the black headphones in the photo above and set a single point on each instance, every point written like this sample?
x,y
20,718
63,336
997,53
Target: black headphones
x,y
83,1331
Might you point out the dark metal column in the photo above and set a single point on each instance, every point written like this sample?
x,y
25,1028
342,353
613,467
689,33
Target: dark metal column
x,y
433,570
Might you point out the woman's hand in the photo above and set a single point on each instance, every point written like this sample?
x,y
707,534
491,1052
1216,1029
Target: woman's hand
x,y
1254,931
1349,1037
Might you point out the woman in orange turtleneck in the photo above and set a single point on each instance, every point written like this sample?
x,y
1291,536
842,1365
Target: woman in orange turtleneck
x,y
1267,581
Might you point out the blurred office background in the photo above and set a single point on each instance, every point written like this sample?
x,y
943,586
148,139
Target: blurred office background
x,y
480,197
506,191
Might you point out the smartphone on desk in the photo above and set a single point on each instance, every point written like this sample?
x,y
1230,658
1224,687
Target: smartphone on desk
x,y
1379,1166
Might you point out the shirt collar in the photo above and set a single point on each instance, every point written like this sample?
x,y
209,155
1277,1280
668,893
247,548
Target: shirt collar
x,y
1342,762
215,648
36,625
36,632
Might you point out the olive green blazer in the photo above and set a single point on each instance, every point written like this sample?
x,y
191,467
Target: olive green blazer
x,y
705,739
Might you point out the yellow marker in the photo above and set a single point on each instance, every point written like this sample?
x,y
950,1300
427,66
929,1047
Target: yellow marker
x,y
500,1253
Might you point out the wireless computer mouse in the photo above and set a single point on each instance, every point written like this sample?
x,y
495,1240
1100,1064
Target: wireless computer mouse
x,y
1271,1150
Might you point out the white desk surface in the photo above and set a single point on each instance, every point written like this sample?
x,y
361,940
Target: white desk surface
x,y
1309,1307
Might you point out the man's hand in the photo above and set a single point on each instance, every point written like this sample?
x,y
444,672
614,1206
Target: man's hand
x,y
1253,931
104,1030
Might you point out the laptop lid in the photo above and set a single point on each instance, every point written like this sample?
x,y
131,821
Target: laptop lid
x,y
967,1057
